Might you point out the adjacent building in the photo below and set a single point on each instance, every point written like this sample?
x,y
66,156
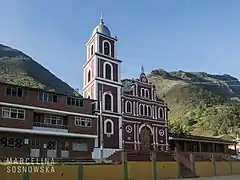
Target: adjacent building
x,y
36,123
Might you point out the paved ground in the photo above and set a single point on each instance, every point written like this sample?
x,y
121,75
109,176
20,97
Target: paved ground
x,y
233,177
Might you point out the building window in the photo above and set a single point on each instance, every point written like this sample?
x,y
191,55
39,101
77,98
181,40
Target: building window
x,y
16,91
160,112
146,110
35,144
91,50
106,48
142,92
146,93
83,122
11,142
89,76
51,145
75,101
108,72
48,97
108,126
141,110
53,120
79,147
108,102
13,113
149,110
128,106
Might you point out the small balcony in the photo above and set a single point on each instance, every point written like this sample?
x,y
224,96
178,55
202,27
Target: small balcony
x,y
50,127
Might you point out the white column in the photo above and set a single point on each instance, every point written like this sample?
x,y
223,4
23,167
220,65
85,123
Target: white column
x,y
123,106
152,94
156,112
137,109
134,108
136,89
134,137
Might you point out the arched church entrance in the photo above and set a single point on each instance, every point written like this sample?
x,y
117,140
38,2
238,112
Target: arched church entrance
x,y
145,138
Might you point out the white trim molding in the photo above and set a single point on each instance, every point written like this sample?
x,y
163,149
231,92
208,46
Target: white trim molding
x,y
105,126
126,106
147,125
110,48
160,109
45,109
104,70
53,133
110,94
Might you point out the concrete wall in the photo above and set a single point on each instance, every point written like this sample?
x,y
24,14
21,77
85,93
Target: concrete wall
x,y
223,168
204,169
167,170
135,171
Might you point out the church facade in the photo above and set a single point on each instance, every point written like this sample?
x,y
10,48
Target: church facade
x,y
130,115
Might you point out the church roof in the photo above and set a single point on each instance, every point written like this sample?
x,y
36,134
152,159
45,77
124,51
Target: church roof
x,y
102,28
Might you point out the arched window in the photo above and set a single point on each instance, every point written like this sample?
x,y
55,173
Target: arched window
x,y
146,110
160,113
149,111
146,93
108,102
108,126
141,109
91,50
142,92
106,48
128,106
89,76
108,72
89,97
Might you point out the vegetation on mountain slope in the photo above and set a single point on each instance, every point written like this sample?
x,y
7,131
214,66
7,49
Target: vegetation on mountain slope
x,y
18,68
200,103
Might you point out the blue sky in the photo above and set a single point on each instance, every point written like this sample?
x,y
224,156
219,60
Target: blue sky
x,y
191,35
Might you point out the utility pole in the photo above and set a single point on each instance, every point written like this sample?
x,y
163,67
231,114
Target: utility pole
x,y
101,123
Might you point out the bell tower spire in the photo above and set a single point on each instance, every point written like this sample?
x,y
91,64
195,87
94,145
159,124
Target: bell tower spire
x,y
101,19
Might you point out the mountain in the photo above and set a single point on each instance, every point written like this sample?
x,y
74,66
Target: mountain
x,y
200,103
18,68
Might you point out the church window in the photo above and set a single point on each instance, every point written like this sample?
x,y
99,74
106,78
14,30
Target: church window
x,y
146,110
91,50
146,93
128,107
108,102
141,109
108,126
149,111
142,92
106,48
160,112
108,71
89,76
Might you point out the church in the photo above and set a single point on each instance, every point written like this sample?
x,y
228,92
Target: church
x,y
111,117
131,117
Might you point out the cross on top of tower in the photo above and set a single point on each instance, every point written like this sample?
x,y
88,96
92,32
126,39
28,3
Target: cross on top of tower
x,y
142,70
101,19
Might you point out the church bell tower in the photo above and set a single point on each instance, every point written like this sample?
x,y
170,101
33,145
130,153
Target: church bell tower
x,y
102,81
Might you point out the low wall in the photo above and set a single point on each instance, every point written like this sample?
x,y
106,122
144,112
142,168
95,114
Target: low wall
x,y
129,171
204,169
